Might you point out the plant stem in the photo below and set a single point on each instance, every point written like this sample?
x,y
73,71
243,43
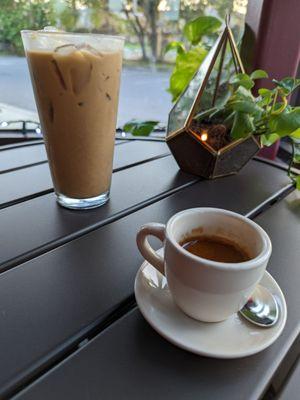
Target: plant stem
x,y
274,101
282,108
290,174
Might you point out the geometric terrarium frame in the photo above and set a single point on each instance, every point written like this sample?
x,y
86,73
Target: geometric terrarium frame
x,y
191,147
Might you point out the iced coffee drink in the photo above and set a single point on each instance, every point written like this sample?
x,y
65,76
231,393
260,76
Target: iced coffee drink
x,y
76,82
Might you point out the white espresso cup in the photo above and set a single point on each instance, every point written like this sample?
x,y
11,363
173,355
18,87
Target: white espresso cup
x,y
207,290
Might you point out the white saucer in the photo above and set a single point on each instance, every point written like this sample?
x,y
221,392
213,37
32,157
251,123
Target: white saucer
x,y
232,338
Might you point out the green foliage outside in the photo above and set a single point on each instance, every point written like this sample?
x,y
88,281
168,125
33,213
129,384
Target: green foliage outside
x,y
146,23
191,52
24,14
140,128
65,14
101,19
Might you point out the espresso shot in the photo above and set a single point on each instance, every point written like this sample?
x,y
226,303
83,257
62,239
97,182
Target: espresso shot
x,y
215,248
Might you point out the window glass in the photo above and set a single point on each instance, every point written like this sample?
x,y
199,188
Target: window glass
x,y
148,26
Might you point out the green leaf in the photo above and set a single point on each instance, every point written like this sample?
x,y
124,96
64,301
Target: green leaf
x,y
187,65
228,121
265,92
296,146
198,27
266,96
191,59
268,140
140,128
219,113
242,93
286,123
128,127
287,84
246,106
242,80
297,179
223,98
202,115
179,81
175,45
295,134
259,74
242,126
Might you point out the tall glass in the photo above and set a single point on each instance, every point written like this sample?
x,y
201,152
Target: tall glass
x,y
76,79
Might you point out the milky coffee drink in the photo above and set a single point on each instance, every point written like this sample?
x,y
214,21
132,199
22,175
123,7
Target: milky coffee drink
x,y
76,88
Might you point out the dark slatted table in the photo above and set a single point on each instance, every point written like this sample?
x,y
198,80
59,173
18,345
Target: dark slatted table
x,y
70,328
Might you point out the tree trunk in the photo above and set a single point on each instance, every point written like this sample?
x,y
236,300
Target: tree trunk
x,y
141,37
138,29
151,12
143,48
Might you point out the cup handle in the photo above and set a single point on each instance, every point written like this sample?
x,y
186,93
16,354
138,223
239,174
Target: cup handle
x,y
151,229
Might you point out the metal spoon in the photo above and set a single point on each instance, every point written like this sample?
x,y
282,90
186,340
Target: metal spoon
x,y
262,308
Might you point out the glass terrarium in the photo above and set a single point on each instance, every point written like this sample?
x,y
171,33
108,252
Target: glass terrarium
x,y
206,149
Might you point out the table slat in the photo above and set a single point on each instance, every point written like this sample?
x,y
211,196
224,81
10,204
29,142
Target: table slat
x,y
42,222
130,360
18,157
291,389
34,180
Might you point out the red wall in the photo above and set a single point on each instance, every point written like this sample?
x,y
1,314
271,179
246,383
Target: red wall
x,y
276,26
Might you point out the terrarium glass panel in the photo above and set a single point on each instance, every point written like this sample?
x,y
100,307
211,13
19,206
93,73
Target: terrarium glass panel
x,y
182,108
216,90
209,86
202,144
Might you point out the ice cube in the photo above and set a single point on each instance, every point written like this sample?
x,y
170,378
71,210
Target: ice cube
x,y
89,49
51,29
65,49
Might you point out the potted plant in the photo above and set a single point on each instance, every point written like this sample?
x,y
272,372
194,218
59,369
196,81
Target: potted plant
x,y
217,125
267,117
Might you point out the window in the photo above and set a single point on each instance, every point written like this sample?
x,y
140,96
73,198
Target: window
x,y
148,25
